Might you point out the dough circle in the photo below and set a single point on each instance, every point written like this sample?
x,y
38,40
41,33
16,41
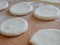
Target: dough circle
x,y
48,12
3,5
46,37
22,8
14,27
52,1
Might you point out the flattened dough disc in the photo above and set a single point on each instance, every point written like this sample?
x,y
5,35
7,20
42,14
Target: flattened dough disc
x,y
46,37
52,1
22,8
14,27
48,12
3,5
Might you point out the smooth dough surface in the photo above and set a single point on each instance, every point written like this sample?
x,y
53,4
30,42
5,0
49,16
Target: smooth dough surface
x,y
47,12
3,5
46,37
22,8
14,27
52,1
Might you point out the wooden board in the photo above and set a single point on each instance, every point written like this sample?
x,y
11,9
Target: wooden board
x,y
34,26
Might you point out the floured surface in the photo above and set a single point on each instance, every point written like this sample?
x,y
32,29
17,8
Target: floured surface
x,y
34,25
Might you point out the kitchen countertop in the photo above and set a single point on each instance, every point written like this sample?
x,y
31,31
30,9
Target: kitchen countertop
x,y
34,25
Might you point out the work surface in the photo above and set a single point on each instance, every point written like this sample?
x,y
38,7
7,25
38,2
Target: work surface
x,y
34,25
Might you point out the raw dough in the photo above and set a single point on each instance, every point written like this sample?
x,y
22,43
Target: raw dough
x,y
46,37
3,5
52,1
48,12
14,27
22,8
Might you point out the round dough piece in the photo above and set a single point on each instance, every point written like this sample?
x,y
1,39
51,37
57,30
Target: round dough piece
x,y
22,8
52,1
3,5
14,27
46,37
48,12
